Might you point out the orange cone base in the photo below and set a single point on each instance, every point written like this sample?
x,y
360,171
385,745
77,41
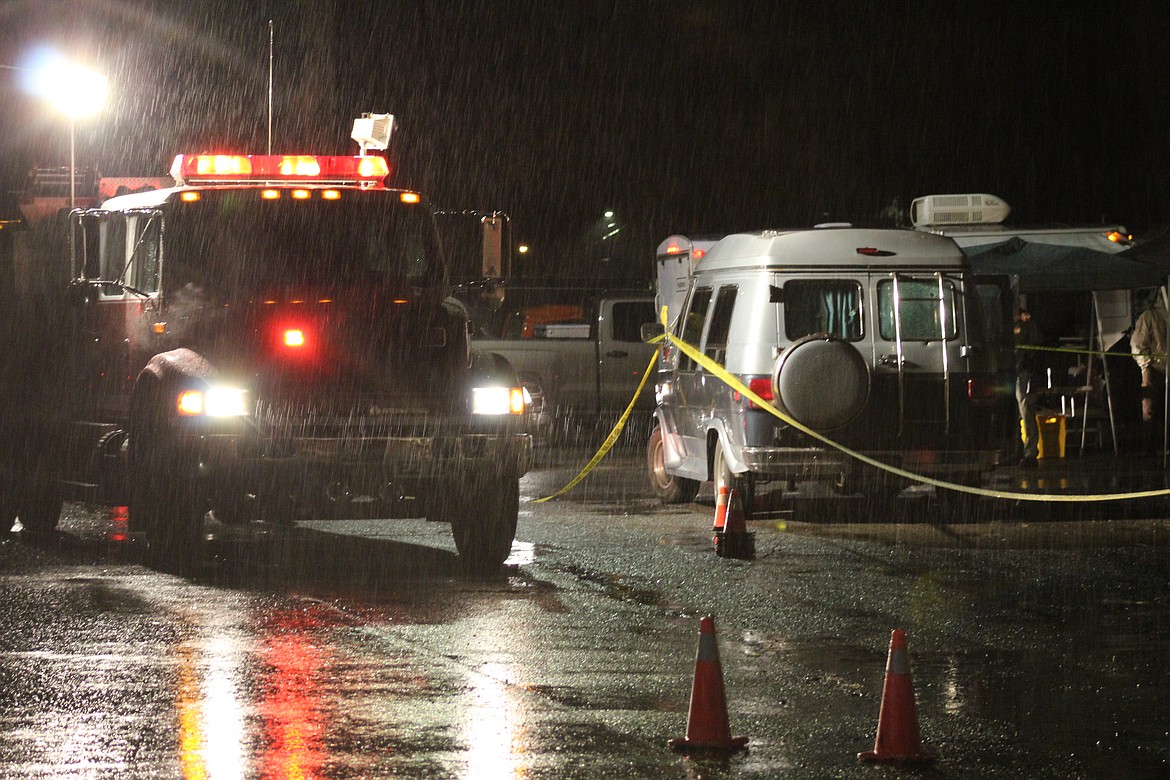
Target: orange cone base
x,y
741,546
921,757
684,745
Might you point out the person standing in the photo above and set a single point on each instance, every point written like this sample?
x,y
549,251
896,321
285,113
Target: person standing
x,y
1148,344
1027,334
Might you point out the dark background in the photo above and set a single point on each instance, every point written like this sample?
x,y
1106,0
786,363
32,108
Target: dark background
x,y
695,116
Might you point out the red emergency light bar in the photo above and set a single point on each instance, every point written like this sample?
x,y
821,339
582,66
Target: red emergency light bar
x,y
194,168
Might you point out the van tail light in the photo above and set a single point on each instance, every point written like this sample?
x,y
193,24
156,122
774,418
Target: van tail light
x,y
761,386
982,389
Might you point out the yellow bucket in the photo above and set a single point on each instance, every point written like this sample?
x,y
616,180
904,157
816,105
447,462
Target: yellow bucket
x,y
1053,432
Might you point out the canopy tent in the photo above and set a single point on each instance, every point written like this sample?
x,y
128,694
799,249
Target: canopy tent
x,y
1072,265
1054,267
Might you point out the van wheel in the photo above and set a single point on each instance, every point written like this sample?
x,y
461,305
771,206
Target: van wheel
x,y
669,488
744,485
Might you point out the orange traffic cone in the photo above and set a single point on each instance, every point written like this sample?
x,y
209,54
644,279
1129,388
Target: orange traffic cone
x,y
734,541
897,733
707,725
720,510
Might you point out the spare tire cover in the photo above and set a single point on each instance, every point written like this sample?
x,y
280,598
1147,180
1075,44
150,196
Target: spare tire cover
x,y
821,381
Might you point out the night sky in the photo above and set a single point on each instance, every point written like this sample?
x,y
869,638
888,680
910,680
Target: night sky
x,y
695,116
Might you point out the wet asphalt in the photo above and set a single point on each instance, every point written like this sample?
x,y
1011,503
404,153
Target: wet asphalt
x,y
1038,638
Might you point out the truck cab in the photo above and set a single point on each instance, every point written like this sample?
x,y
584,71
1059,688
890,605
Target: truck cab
x,y
272,339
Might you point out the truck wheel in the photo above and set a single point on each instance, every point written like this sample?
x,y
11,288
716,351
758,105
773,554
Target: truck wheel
x,y
39,509
171,515
483,520
669,488
164,509
744,485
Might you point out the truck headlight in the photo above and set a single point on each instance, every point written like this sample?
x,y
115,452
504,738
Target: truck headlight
x,y
214,402
497,400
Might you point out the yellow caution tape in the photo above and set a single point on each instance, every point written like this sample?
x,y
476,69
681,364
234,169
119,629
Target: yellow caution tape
x,y
1083,351
610,440
731,381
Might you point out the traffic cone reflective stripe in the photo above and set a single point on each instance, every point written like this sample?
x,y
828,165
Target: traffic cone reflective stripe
x,y
897,739
720,509
707,723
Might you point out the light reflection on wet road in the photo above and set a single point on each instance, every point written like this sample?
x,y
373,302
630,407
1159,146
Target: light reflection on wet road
x,y
355,650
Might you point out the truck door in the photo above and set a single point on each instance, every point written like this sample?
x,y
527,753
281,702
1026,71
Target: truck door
x,y
117,298
622,356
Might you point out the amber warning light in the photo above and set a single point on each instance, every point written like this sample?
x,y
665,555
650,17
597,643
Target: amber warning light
x,y
194,168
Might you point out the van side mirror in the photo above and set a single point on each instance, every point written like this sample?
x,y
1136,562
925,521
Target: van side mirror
x,y
652,330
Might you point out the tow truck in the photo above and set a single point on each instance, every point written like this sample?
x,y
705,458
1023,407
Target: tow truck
x,y
274,338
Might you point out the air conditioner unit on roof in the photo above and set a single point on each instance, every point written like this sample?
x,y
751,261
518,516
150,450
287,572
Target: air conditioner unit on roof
x,y
973,209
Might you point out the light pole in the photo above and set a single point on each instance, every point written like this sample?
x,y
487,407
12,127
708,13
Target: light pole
x,y
76,92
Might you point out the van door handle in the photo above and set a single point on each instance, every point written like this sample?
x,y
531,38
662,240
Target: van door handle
x,y
892,360
617,353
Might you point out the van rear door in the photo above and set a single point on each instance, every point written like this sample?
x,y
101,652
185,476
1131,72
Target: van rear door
x,y
917,333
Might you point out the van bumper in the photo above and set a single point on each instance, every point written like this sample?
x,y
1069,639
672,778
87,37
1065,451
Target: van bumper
x,y
813,463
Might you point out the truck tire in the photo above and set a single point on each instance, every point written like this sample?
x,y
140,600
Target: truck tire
x,y
670,489
483,520
171,516
39,508
164,508
744,485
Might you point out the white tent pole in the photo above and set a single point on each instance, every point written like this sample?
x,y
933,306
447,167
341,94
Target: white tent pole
x,y
1096,317
1165,384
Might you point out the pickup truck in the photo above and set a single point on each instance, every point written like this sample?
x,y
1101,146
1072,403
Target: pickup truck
x,y
579,354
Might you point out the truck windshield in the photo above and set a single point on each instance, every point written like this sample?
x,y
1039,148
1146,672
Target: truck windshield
x,y
233,243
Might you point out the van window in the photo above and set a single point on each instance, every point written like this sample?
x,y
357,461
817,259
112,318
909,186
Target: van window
x,y
692,324
920,311
716,347
822,306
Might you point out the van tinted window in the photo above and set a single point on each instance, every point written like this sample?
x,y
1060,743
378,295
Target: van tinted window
x,y
921,312
716,347
822,306
692,324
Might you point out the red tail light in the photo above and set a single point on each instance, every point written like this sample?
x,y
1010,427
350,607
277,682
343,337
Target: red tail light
x,y
294,338
761,386
982,389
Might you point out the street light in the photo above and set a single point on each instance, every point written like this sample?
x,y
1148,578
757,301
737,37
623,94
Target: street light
x,y
72,90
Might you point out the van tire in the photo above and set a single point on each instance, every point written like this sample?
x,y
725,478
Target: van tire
x,y
807,367
743,484
670,489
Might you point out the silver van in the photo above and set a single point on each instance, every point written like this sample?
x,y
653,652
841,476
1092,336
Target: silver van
x,y
881,340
